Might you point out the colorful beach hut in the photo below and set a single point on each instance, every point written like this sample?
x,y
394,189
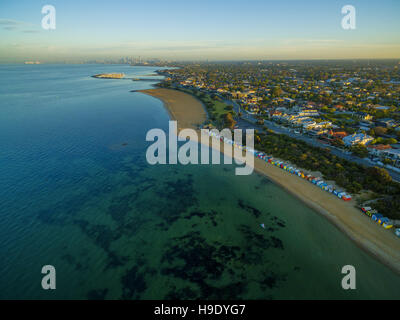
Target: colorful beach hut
x,y
383,220
315,181
388,225
375,217
346,197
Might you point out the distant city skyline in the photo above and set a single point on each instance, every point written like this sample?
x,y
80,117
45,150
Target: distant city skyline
x,y
206,30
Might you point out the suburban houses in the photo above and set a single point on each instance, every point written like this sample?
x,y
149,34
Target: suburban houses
x,y
346,107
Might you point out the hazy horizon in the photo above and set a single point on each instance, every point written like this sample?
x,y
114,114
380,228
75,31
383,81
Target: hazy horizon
x,y
215,31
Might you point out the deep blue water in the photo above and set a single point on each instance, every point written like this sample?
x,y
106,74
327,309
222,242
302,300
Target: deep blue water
x,y
77,193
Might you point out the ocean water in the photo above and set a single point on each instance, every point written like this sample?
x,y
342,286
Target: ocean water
x,y
77,193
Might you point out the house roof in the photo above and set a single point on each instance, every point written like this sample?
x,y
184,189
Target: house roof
x,y
380,147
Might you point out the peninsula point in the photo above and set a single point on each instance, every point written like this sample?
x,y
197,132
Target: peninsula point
x,y
109,75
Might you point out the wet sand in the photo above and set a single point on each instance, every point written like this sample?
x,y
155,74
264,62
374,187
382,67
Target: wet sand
x,y
381,243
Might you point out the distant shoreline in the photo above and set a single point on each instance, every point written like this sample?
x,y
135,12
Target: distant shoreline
x,y
378,242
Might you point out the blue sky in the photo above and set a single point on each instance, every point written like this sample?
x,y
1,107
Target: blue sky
x,y
215,30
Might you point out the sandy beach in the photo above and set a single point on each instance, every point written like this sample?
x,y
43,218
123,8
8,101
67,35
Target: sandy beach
x,y
187,110
381,243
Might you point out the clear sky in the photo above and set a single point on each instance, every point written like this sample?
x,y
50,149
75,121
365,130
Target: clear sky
x,y
189,29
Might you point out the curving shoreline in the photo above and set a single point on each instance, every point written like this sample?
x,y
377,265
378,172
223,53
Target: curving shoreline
x,y
378,242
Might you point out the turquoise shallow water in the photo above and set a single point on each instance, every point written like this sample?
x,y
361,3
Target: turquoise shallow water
x,y
77,193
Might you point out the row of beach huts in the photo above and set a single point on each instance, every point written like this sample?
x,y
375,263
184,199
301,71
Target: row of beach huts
x,y
379,218
314,180
287,167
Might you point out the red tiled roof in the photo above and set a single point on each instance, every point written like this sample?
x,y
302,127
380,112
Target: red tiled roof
x,y
338,134
380,147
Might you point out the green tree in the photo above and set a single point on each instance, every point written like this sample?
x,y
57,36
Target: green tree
x,y
380,131
276,91
380,174
391,141
359,151
229,121
337,142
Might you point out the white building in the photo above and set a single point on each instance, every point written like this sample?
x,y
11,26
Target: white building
x,y
357,138
309,113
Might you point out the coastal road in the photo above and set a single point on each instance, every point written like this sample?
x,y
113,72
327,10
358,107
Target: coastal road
x,y
249,121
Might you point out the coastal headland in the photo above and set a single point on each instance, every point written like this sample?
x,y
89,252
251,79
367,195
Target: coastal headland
x,y
380,243
109,76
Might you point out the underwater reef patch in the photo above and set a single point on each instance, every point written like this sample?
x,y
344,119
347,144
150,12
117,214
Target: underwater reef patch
x,y
256,213
175,197
133,283
102,236
191,258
